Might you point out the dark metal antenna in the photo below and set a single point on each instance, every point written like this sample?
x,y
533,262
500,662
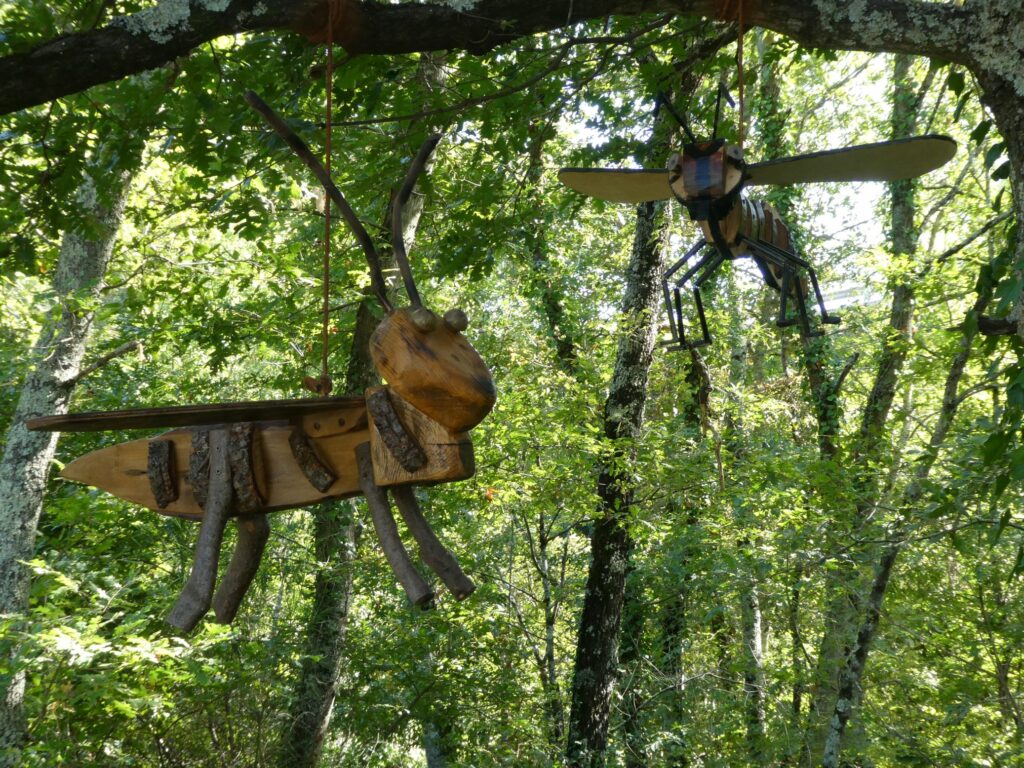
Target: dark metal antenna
x,y
663,100
722,91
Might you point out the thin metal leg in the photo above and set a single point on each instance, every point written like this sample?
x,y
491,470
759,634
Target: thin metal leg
x,y
672,295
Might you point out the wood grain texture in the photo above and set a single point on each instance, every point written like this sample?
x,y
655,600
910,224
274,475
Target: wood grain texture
x,y
416,588
437,371
253,532
449,455
195,598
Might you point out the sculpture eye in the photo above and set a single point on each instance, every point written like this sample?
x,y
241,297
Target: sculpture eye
x,y
424,319
456,320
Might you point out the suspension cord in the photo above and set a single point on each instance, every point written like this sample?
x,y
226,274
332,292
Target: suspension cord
x,y
326,277
732,10
739,68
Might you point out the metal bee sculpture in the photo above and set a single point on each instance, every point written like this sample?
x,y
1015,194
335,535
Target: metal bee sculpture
x,y
243,460
708,178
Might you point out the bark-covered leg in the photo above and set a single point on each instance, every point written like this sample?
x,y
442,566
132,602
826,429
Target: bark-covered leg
x,y
253,532
433,552
195,597
387,531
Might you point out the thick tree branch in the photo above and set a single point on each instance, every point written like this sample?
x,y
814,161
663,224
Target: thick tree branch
x,y
168,30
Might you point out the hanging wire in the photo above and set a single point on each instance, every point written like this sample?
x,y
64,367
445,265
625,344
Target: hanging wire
x,y
733,10
326,277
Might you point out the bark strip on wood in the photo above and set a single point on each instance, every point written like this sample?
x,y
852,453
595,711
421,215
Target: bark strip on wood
x,y
315,469
253,532
399,442
432,551
195,598
387,531
243,453
163,479
199,466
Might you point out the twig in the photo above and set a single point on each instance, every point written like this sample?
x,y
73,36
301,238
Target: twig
x,y
845,372
988,225
398,204
124,349
300,148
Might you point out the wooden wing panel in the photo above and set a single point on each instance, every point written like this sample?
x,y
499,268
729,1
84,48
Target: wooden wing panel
x,y
884,161
625,185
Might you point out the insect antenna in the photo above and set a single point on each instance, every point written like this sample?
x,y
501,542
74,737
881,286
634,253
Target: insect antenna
x,y
397,204
723,90
663,100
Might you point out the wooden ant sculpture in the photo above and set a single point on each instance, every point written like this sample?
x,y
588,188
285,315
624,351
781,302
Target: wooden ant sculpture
x,y
244,460
708,178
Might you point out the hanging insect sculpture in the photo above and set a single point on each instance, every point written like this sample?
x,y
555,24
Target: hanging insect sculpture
x,y
708,178
244,460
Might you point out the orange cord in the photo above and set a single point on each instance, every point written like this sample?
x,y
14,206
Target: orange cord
x,y
727,12
326,319
739,68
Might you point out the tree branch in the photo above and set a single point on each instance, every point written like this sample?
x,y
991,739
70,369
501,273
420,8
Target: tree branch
x,y
156,35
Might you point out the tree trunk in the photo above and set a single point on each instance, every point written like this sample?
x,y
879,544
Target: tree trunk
x,y
750,602
84,254
850,689
847,585
336,537
596,664
548,291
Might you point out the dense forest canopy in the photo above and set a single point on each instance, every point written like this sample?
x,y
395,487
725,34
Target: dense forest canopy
x,y
775,550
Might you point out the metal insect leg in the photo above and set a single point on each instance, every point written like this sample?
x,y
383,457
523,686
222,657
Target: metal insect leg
x,y
797,263
673,300
788,264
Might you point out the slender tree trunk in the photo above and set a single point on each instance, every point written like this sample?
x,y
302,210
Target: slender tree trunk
x,y
630,660
848,585
596,665
750,602
336,538
85,252
549,293
850,691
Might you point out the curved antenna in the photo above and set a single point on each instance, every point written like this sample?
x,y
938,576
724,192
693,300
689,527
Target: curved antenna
x,y
663,100
299,147
397,204
723,90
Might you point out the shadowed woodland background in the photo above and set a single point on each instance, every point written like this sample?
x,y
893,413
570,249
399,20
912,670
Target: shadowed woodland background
x,y
774,552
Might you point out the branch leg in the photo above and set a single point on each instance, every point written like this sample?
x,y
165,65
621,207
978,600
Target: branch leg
x,y
253,532
433,552
387,531
195,598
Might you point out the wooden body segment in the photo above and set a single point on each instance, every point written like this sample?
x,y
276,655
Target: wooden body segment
x,y
123,469
449,454
435,369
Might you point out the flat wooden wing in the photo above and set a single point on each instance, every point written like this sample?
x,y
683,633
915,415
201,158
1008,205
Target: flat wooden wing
x,y
885,161
618,185
193,415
